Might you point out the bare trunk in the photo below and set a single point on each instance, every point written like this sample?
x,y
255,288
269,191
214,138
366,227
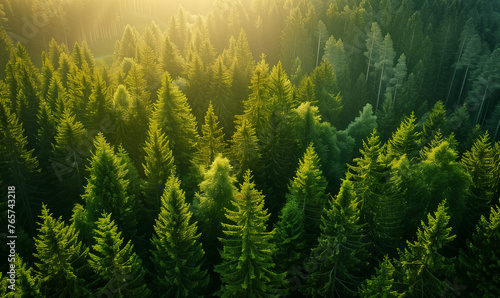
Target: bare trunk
x,y
455,71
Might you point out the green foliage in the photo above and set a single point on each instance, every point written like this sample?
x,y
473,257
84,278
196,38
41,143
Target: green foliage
x,y
405,140
337,261
177,252
175,119
307,190
221,95
244,148
158,167
118,269
61,257
327,95
422,267
290,237
362,126
211,142
247,257
435,121
479,162
480,260
106,191
381,284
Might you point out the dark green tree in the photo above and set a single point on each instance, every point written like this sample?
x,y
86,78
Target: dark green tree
x,y
177,252
422,267
307,189
211,142
480,260
170,58
118,270
61,258
329,100
247,266
337,261
175,119
244,148
434,122
381,283
158,167
224,105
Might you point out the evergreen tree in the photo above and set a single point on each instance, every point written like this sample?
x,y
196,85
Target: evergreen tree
x,y
338,259
211,142
435,121
99,105
67,161
27,283
175,119
197,86
6,48
307,189
216,193
327,93
62,258
290,237
18,165
382,283
405,140
362,126
221,96
247,266
118,269
177,252
479,163
106,191
244,148
480,260
158,167
422,267
170,58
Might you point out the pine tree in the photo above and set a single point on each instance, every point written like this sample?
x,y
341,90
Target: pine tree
x,y
18,165
422,266
67,161
255,112
99,105
244,148
405,140
211,142
221,96
338,259
216,193
368,175
382,283
307,189
197,86
158,167
6,48
62,258
290,237
247,266
175,119
480,260
170,58
479,163
177,252
117,268
27,283
435,121
327,93
362,126
106,191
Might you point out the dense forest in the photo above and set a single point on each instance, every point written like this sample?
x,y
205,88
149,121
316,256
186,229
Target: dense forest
x,y
264,148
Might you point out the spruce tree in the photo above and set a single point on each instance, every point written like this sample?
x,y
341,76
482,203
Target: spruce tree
x,y
244,148
290,237
175,119
381,284
18,165
479,163
177,252
480,260
224,105
338,260
118,270
106,191
216,193
434,122
247,266
327,93
158,167
405,140
211,142
170,58
61,258
307,189
422,267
